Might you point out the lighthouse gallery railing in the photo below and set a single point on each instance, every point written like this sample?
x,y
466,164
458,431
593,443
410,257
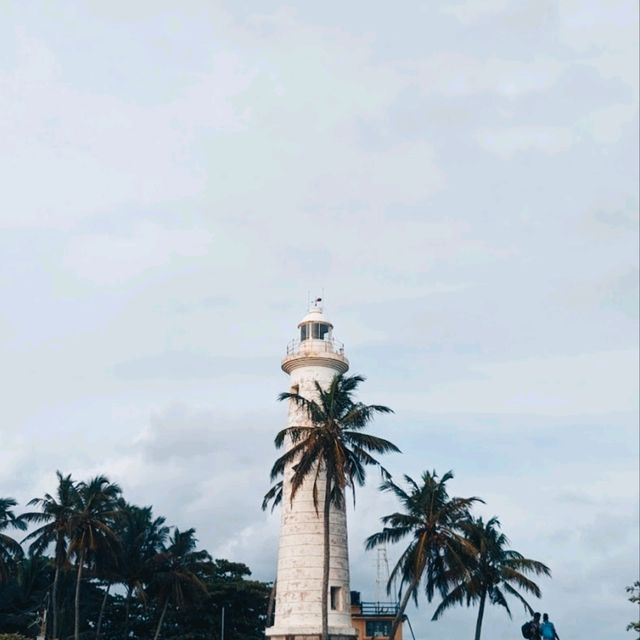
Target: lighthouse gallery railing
x,y
297,346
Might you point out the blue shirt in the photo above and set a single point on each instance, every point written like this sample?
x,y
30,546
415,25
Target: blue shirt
x,y
548,630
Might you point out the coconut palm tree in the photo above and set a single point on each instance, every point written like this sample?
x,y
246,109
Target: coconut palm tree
x,y
433,522
10,549
141,537
54,516
175,579
331,450
495,572
90,528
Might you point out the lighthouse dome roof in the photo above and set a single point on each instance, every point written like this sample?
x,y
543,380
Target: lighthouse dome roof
x,y
316,314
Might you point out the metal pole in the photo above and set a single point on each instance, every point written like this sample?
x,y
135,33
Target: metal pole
x,y
222,625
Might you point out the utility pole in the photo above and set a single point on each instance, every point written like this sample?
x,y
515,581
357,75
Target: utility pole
x,y
222,625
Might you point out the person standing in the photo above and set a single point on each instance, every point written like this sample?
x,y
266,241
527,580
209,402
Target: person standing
x,y
548,629
534,627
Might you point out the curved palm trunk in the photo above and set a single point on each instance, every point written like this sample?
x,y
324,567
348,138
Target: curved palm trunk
x,y
76,628
403,605
325,561
54,597
164,610
102,608
483,598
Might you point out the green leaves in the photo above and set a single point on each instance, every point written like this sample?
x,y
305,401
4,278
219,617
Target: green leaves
x,y
437,549
112,542
10,550
492,572
331,439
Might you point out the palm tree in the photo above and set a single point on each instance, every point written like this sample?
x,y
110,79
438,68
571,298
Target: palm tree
x,y
175,579
141,537
90,528
433,521
10,549
331,450
54,516
495,572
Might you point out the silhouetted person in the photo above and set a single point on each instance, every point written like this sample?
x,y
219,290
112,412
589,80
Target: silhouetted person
x,y
548,629
535,627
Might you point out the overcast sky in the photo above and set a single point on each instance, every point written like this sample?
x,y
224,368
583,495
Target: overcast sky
x,y
458,178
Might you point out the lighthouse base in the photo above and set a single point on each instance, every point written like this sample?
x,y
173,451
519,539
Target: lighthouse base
x,y
312,636
302,633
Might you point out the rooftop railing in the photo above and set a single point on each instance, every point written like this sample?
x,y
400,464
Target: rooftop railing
x,y
298,346
379,608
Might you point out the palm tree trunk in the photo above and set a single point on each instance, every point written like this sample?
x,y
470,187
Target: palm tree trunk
x,y
403,605
54,596
325,561
127,606
76,628
164,610
483,598
102,607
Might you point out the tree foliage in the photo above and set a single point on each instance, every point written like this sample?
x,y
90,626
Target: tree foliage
x,y
115,568
491,573
432,522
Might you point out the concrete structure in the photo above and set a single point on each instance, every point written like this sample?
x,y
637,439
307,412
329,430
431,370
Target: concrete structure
x,y
314,356
373,620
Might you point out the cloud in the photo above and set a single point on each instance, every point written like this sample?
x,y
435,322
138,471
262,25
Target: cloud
x,y
103,149
183,365
506,142
608,125
458,178
454,73
109,258
557,385
469,11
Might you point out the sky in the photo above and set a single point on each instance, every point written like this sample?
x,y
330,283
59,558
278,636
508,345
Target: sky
x,y
458,180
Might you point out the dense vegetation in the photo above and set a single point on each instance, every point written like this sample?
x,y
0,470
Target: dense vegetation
x,y
98,567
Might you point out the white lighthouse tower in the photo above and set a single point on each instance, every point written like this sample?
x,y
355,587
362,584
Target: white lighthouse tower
x,y
314,357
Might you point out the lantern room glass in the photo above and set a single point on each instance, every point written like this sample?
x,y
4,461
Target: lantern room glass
x,y
315,331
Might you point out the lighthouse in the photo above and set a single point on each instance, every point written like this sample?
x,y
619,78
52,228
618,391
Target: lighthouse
x,y
314,356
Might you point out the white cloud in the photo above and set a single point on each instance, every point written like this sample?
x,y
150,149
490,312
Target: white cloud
x,y
591,383
470,10
506,142
453,73
109,258
608,125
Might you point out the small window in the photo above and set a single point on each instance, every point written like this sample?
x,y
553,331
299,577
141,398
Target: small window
x,y
378,628
304,332
336,598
